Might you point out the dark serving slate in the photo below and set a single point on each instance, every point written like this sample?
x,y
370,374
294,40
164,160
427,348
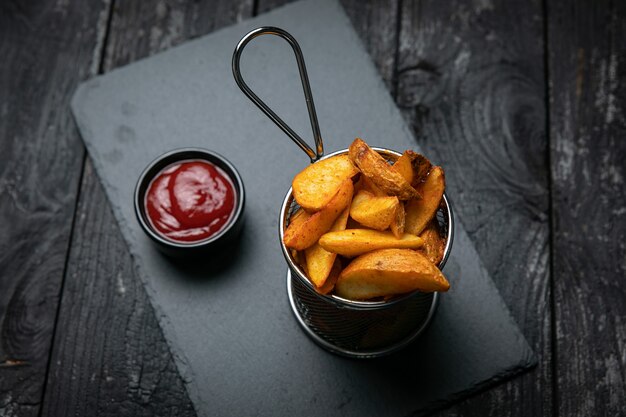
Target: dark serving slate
x,y
228,323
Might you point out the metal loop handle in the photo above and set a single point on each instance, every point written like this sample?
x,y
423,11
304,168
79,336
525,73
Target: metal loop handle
x,y
269,30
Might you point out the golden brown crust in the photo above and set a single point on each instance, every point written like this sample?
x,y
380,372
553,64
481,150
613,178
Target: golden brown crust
x,y
355,242
317,184
420,212
301,235
389,272
374,166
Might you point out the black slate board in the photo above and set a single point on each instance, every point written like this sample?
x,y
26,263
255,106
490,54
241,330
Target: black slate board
x,y
229,325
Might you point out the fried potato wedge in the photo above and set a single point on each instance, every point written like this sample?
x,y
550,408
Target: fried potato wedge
x,y
374,167
403,167
389,272
420,212
303,234
318,183
374,212
434,244
333,276
319,261
298,218
354,242
366,184
397,224
414,167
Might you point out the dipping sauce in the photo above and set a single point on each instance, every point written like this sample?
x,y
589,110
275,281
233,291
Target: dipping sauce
x,y
190,201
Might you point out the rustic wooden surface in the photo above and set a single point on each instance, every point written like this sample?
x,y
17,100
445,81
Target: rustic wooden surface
x,y
46,50
471,83
522,102
587,73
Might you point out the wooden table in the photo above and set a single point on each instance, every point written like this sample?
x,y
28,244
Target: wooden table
x,y
523,102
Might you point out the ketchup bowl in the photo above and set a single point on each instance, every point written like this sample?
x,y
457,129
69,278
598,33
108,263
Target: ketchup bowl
x,y
190,202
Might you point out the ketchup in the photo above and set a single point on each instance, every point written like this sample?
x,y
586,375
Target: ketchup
x,y
190,201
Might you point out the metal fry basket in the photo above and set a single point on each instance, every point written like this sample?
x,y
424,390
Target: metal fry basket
x,y
358,329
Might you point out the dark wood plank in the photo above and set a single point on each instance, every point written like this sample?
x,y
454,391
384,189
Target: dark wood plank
x,y
587,71
471,83
376,22
109,355
46,48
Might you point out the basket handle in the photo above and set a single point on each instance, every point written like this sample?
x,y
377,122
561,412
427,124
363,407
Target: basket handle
x,y
269,30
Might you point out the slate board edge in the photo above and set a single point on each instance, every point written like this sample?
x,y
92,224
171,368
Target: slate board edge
x,y
524,366
169,331
181,361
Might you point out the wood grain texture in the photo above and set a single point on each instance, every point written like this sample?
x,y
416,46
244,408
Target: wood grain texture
x,y
471,84
109,355
46,49
376,22
587,71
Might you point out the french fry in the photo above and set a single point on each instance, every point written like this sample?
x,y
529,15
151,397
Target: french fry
x,y
389,272
434,244
385,221
398,222
403,167
298,218
414,167
305,233
333,276
374,166
318,183
354,242
374,212
420,212
318,260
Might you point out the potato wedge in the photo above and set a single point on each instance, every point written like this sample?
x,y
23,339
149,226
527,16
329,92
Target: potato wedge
x,y
420,212
318,260
366,184
318,183
389,272
303,234
421,167
434,244
397,224
403,167
354,242
333,276
374,212
374,166
298,218
414,167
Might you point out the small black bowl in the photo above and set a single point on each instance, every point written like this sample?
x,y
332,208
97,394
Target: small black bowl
x,y
215,243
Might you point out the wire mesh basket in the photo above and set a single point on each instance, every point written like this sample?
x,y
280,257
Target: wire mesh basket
x,y
360,328
352,328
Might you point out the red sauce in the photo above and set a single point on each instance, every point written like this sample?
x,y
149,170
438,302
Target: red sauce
x,y
190,201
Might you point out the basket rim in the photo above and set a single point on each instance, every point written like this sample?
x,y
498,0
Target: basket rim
x,y
344,302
